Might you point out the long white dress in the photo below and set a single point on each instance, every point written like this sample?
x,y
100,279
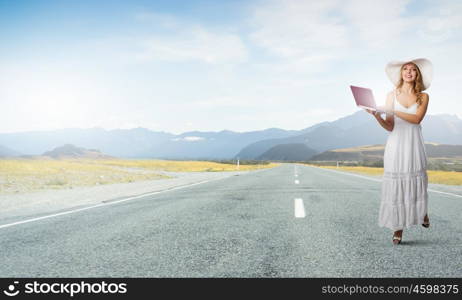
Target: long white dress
x,y
404,197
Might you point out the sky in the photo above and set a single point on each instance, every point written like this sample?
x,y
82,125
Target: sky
x,y
178,66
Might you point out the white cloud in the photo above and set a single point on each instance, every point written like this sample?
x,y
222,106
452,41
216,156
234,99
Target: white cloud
x,y
442,24
189,139
378,23
298,28
299,36
318,112
285,67
158,19
227,101
310,37
194,44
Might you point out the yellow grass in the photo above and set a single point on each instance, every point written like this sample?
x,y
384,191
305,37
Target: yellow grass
x,y
361,148
181,166
23,175
445,177
441,177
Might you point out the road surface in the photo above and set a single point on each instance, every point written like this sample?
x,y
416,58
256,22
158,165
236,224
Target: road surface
x,y
242,226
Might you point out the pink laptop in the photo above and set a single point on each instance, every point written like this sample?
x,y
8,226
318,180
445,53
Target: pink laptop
x,y
364,98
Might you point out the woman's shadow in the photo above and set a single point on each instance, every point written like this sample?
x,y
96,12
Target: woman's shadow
x,y
417,243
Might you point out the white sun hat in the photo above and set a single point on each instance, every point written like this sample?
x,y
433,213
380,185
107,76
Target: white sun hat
x,y
425,66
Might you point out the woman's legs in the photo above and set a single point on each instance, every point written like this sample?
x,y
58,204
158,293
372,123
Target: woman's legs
x,y
426,222
397,236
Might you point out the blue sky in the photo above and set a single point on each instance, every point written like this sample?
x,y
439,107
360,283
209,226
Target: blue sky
x,y
179,66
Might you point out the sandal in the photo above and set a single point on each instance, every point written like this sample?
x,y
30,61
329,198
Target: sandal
x,y
426,224
396,240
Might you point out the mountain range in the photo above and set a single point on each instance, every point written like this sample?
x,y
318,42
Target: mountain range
x,y
376,152
71,151
357,129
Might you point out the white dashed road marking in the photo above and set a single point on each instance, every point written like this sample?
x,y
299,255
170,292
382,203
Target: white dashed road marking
x,y
299,208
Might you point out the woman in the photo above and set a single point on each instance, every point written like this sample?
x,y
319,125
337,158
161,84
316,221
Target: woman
x,y
404,198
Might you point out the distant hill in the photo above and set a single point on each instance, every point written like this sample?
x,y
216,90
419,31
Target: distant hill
x,y
213,145
71,151
375,153
441,150
288,152
7,152
256,149
357,129
142,142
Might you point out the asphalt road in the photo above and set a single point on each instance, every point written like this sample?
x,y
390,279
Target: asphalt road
x,y
241,226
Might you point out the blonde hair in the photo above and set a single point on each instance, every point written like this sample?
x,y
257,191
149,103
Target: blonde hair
x,y
418,82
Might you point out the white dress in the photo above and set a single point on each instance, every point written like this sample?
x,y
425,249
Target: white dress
x,y
404,197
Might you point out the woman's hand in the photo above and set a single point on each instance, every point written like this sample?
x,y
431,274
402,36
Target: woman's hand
x,y
390,112
372,112
387,110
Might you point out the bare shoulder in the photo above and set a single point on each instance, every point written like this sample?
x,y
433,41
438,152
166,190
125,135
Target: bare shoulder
x,y
390,96
425,98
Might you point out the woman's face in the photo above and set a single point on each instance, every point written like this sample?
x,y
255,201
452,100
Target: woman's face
x,y
409,73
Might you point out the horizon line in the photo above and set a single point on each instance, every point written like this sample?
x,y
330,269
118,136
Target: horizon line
x,y
204,131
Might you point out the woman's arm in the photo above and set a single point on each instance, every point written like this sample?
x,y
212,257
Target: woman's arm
x,y
385,123
389,123
420,114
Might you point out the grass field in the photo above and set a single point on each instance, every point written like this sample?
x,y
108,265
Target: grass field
x,y
441,177
180,166
24,175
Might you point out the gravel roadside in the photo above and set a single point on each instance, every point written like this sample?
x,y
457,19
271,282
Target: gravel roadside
x,y
41,202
